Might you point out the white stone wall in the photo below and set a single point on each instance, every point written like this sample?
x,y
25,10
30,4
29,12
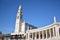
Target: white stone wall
x,y
55,33
23,27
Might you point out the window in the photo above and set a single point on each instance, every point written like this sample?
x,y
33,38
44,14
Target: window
x,y
33,35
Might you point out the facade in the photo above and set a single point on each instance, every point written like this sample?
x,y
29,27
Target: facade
x,y
25,31
21,27
50,32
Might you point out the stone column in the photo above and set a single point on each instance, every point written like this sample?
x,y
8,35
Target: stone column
x,y
39,35
50,33
28,36
53,31
42,34
35,36
58,31
46,34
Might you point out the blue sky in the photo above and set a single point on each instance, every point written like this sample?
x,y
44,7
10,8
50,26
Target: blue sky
x,y
36,12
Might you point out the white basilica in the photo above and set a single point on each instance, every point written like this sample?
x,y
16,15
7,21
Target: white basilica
x,y
30,32
50,32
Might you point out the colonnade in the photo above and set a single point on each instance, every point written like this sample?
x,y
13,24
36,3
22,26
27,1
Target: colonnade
x,y
43,34
39,34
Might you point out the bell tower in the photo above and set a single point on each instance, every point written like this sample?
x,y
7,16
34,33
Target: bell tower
x,y
18,20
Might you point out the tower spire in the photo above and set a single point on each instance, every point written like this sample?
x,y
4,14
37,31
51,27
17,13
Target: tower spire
x,y
20,8
18,20
54,19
